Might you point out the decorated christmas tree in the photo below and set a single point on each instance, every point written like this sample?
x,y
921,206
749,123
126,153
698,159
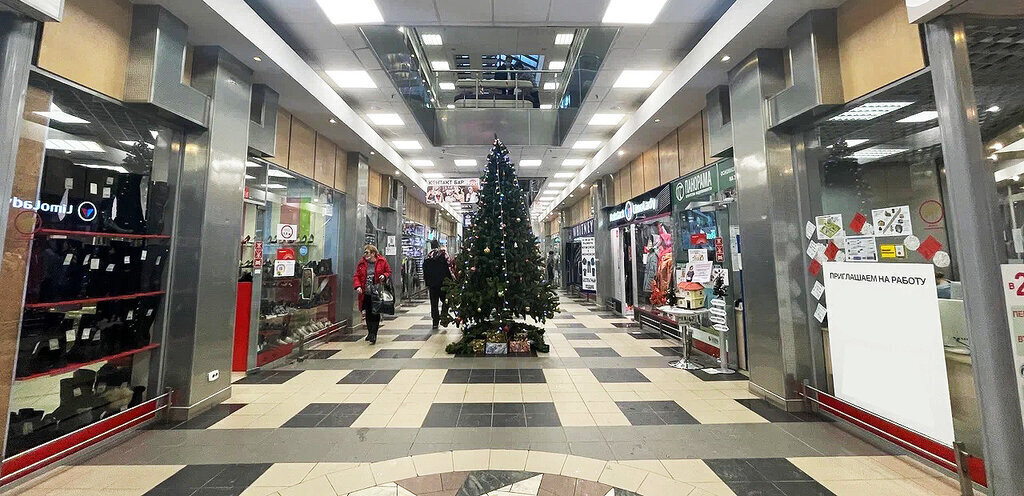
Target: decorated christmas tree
x,y
501,279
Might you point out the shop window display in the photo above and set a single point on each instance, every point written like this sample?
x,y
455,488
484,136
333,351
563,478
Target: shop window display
x,y
299,228
414,242
654,261
95,233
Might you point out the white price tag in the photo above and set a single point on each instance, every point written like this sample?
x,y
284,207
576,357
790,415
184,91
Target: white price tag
x,y
67,259
819,313
93,188
106,193
817,290
143,255
86,332
158,259
95,264
69,183
110,267
131,315
809,229
54,344
812,249
110,180
69,335
149,313
127,260
76,392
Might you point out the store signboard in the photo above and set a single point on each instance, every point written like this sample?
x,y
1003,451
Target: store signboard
x,y
704,182
646,205
582,230
589,260
1013,293
889,314
452,191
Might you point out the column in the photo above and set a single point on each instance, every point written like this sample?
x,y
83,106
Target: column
x,y
601,194
353,234
200,333
974,217
398,259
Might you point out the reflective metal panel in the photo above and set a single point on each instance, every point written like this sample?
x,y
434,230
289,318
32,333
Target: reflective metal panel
x,y
263,120
477,126
156,58
397,228
719,121
600,193
353,233
814,59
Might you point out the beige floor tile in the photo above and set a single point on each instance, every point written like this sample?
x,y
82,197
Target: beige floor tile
x,y
508,459
602,407
262,491
653,466
571,407
235,421
622,476
434,463
577,419
313,487
467,460
393,470
659,485
610,419
545,463
326,468
623,396
142,477
583,468
565,397
407,420
841,468
691,471
876,488
284,474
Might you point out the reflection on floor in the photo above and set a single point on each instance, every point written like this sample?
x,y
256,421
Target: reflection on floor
x,y
601,415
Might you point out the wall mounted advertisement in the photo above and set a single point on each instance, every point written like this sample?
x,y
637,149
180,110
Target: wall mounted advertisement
x,y
462,190
892,221
828,226
589,264
1013,292
861,249
889,314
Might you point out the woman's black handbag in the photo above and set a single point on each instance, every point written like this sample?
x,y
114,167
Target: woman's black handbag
x,y
383,301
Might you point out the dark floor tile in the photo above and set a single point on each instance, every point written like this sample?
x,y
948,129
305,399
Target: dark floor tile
x,y
635,406
645,335
532,376
509,409
239,476
456,376
269,377
644,418
506,376
581,336
540,408
481,376
304,421
394,354
516,420
807,488
349,338
626,325
772,413
755,489
669,351
734,470
570,325
596,352
778,470
477,409
443,415
677,418
412,337
350,408
619,375
318,409
205,419
704,376
320,354
338,420
474,420
189,478
543,420
217,491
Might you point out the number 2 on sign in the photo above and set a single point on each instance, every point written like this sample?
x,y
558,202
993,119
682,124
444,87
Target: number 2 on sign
x,y
1020,285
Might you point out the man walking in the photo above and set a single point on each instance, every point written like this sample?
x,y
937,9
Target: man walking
x,y
437,268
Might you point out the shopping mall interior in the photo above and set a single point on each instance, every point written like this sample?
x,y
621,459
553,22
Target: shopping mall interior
x,y
512,248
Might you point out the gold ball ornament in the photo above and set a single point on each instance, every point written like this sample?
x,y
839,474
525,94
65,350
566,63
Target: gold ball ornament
x,y
487,249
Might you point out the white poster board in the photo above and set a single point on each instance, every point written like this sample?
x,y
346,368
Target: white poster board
x,y
589,262
284,268
390,249
1013,292
698,272
287,232
886,343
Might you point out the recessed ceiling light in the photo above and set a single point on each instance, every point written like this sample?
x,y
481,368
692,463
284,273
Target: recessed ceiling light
x,y
372,152
332,120
632,11
556,185
869,111
279,173
257,58
876,152
59,115
422,163
574,162
431,39
586,145
529,163
407,145
606,119
927,115
275,186
636,79
351,11
622,152
545,106
564,38
446,85
386,119
564,175
249,165
556,65
73,145
657,121
465,162
433,175
352,79
551,85
993,109
450,106
440,65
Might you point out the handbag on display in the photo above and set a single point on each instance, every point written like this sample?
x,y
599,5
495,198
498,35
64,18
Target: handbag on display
x,y
383,301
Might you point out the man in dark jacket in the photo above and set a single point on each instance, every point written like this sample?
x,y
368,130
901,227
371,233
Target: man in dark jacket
x,y
437,268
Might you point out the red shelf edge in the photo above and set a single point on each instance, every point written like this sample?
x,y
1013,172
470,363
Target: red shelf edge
x,y
91,300
102,234
76,366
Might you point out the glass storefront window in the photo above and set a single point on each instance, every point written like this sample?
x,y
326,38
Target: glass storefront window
x,y
414,249
91,212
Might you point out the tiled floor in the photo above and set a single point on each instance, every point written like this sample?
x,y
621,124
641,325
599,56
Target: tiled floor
x,y
600,415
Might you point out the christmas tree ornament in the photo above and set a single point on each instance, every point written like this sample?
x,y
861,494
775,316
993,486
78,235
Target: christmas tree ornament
x,y
487,250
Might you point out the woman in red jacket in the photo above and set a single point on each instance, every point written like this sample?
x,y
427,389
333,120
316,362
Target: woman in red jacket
x,y
366,276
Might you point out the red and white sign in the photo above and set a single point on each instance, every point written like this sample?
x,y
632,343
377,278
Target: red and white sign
x,y
698,239
287,232
257,255
719,250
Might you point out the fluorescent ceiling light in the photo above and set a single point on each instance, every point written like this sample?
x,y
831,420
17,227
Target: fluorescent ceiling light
x,y
869,111
551,85
73,145
927,115
275,186
132,143
433,175
116,168
855,142
574,162
586,145
279,173
351,11
564,38
446,86
465,162
450,105
636,79
556,185
422,163
632,11
352,79
556,65
440,65
564,175
407,145
532,162
386,119
993,109
249,177
876,152
431,39
56,114
606,119
545,106
252,164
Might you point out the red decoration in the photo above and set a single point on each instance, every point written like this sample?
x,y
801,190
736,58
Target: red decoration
x,y
858,221
814,268
831,250
698,239
719,250
928,247
658,297
285,254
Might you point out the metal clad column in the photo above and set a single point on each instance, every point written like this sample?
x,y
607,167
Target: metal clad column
x,y
205,249
972,195
399,257
773,267
600,192
353,231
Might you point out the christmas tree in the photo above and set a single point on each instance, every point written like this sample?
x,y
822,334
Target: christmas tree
x,y
500,270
